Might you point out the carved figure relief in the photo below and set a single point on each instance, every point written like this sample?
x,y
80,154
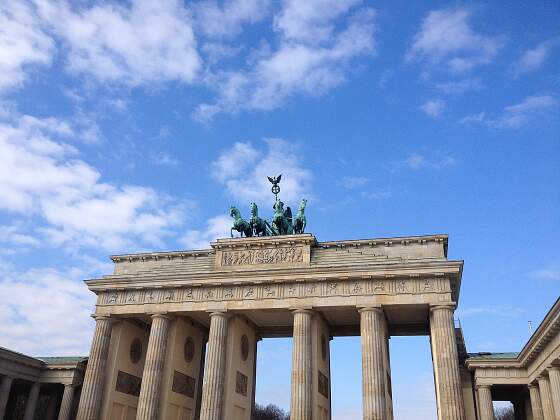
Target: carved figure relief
x,y
183,384
241,384
128,384
323,385
402,287
263,256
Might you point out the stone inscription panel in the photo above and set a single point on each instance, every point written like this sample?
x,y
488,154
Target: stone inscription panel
x,y
128,384
183,384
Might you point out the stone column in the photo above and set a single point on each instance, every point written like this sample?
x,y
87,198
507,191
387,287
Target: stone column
x,y
66,404
446,363
31,403
148,403
536,406
92,388
486,409
301,407
546,398
5,387
214,371
373,367
554,379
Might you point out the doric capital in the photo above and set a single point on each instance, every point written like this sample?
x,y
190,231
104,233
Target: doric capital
x,y
532,385
449,306
553,369
372,308
163,315
220,314
542,378
306,310
483,386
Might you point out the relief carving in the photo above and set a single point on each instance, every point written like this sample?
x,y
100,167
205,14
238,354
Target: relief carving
x,y
241,384
183,384
263,256
323,385
128,384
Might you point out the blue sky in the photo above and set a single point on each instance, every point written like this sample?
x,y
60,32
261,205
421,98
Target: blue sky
x,y
133,126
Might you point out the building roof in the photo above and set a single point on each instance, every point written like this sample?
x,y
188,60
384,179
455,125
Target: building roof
x,y
488,355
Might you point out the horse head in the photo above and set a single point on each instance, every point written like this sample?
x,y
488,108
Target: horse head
x,y
302,204
254,210
233,212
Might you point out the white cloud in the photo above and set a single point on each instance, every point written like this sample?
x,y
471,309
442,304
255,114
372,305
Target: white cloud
x,y
353,182
35,307
446,38
473,118
460,86
13,235
243,170
434,107
551,272
23,43
216,227
533,58
310,21
40,175
416,160
216,20
144,43
311,64
517,115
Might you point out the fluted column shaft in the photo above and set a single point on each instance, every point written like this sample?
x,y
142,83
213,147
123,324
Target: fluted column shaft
x,y
5,387
301,407
31,403
150,389
546,398
373,367
554,379
92,388
486,408
214,371
66,404
446,363
536,406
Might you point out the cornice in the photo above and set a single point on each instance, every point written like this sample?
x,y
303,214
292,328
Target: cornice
x,y
262,241
450,268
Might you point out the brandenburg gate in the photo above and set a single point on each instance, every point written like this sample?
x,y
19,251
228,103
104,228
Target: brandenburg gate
x,y
176,332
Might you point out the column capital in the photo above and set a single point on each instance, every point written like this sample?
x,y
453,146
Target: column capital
x,y
223,314
306,310
371,308
483,386
553,369
163,315
541,377
450,306
532,385
101,317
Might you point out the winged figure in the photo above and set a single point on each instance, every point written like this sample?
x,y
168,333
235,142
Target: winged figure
x,y
275,180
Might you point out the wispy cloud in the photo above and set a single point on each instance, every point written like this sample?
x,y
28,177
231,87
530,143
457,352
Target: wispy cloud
x,y
353,182
533,58
459,86
447,40
420,160
434,108
550,272
516,115
313,55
